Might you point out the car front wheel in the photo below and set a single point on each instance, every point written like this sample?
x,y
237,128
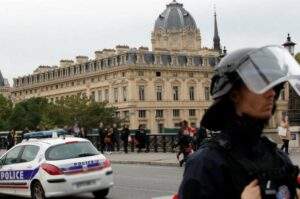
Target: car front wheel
x,y
101,193
37,191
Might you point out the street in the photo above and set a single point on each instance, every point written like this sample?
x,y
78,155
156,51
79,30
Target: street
x,y
139,182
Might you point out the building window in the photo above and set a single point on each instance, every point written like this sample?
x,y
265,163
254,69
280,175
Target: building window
x,y
206,93
159,113
158,73
126,114
191,74
160,128
123,74
56,86
100,95
142,113
176,112
116,94
158,93
192,112
92,79
192,93
93,97
106,95
72,83
142,93
177,125
175,93
141,73
118,114
124,91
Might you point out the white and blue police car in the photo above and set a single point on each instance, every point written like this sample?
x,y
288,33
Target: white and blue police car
x,y
42,168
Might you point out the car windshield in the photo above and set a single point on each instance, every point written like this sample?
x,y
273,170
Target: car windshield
x,y
71,150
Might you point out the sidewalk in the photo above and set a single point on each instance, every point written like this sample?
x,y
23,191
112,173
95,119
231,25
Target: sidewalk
x,y
160,159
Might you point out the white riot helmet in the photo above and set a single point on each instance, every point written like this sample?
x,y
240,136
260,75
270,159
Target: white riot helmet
x,y
259,68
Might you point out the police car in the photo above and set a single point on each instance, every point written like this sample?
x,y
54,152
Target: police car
x,y
42,168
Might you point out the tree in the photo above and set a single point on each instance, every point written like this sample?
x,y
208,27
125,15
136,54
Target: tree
x,y
297,57
5,111
28,113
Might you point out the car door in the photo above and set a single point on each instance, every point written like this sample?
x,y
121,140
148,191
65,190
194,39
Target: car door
x,y
28,167
7,170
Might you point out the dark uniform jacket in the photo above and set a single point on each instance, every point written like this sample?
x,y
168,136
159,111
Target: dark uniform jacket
x,y
226,164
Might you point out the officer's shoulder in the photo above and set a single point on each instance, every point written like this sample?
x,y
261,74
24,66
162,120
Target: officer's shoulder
x,y
207,154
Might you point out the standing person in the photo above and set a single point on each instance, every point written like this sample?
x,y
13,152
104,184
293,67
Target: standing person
x,y
11,139
109,140
239,162
140,137
125,136
116,138
284,124
101,137
26,130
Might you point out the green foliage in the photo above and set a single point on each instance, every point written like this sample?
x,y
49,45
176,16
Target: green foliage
x,y
28,113
38,112
297,57
5,111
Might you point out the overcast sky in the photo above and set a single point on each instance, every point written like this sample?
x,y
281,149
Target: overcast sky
x,y
41,32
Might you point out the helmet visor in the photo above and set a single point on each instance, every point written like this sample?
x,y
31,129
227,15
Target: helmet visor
x,y
266,67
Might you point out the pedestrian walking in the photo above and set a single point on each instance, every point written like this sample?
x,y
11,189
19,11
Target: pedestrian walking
x,y
11,139
238,162
125,136
285,134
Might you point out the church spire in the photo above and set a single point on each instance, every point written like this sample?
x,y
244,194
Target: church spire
x,y
217,46
1,80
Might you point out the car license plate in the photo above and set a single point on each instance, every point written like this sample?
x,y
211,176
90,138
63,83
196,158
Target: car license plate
x,y
85,183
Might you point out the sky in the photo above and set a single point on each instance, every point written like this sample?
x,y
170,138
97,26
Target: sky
x,y
42,32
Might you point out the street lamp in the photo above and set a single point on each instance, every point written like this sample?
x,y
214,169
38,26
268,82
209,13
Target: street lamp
x,y
289,45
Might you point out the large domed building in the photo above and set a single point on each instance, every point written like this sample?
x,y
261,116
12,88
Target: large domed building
x,y
157,88
176,30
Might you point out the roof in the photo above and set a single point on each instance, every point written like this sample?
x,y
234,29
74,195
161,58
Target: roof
x,y
175,17
53,141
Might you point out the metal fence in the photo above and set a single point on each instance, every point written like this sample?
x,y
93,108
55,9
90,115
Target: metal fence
x,y
155,142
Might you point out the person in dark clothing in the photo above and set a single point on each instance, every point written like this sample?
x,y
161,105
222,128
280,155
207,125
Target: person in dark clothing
x,y
141,138
116,138
26,130
184,142
238,162
11,139
101,137
125,136
200,136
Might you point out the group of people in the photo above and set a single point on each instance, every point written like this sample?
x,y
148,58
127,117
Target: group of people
x,y
111,137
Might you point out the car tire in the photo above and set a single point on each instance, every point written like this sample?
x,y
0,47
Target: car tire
x,y
37,191
101,193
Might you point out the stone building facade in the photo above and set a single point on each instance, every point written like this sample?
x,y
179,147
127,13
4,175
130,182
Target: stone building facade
x,y
5,88
158,87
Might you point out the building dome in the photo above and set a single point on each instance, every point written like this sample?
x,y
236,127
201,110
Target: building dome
x,y
175,17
